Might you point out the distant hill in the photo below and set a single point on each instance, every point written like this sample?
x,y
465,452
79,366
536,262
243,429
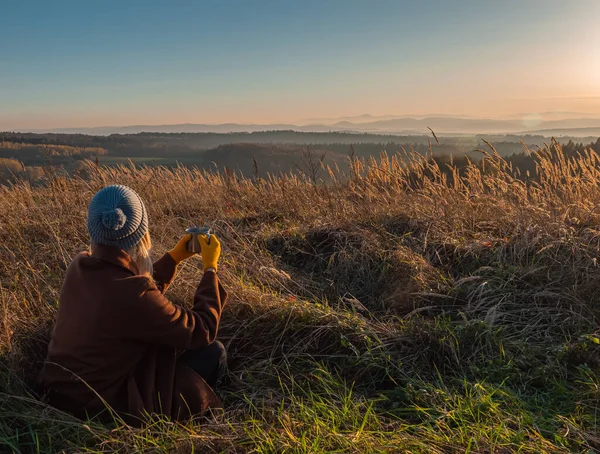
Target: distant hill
x,y
570,132
367,118
441,124
224,128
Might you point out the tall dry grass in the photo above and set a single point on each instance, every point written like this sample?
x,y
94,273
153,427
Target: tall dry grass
x,y
399,307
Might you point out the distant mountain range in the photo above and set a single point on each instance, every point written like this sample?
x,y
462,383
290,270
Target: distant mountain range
x,y
546,124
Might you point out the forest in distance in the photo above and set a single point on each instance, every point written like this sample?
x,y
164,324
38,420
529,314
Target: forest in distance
x,y
30,155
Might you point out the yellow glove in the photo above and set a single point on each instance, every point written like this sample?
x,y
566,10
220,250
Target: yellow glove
x,y
211,251
180,252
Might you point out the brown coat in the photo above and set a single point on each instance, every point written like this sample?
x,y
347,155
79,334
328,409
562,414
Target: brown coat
x,y
117,338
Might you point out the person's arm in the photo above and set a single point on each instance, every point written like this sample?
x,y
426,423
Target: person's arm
x,y
164,270
166,267
158,321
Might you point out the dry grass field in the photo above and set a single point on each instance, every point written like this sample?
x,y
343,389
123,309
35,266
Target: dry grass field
x,y
396,308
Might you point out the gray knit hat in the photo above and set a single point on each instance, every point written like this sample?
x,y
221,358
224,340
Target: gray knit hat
x,y
117,217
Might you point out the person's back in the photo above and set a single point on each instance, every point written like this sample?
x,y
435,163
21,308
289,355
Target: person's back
x,y
118,341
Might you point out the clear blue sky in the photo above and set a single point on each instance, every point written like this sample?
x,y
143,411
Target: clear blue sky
x,y
105,62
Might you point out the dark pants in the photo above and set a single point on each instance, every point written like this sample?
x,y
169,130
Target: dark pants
x,y
209,362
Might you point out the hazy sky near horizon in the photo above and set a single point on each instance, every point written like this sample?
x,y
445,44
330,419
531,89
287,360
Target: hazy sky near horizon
x,y
98,63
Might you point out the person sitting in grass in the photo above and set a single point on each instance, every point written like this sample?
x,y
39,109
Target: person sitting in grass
x,y
118,343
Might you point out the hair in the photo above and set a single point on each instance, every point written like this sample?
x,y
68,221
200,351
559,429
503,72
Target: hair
x,y
140,253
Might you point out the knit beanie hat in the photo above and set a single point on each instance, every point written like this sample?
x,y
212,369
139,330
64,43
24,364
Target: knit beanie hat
x,y
117,217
